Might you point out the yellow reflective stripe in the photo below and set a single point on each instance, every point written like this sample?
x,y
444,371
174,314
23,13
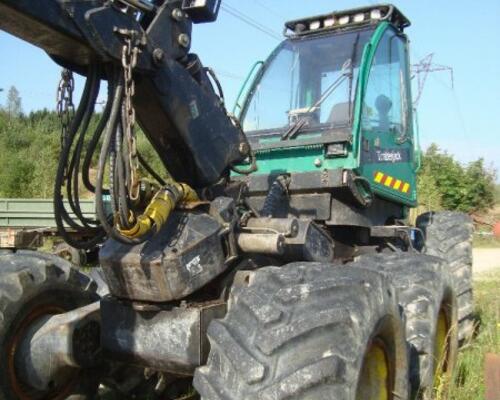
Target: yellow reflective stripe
x,y
406,187
397,184
388,181
378,177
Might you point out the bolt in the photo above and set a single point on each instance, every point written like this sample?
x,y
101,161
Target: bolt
x,y
177,14
318,162
184,40
158,55
244,148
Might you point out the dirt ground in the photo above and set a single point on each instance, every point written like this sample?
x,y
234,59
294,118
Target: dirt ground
x,y
485,260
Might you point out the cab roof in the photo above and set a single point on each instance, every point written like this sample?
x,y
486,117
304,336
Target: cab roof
x,y
346,20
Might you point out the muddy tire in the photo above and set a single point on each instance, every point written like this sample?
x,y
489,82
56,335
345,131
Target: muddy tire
x,y
426,295
34,284
75,256
449,235
307,331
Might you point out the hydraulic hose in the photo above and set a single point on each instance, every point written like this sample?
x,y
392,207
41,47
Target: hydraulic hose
x,y
123,209
160,208
72,181
113,181
109,135
60,213
122,224
150,170
94,141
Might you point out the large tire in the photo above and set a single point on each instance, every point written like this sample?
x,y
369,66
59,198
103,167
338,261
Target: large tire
x,y
34,284
307,331
75,256
426,295
449,235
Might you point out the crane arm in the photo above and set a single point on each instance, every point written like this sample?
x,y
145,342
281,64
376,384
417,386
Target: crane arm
x,y
142,50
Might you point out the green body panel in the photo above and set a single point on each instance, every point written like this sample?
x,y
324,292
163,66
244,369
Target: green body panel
x,y
405,172
312,158
300,158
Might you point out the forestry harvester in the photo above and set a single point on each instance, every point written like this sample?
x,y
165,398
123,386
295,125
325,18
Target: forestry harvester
x,y
271,257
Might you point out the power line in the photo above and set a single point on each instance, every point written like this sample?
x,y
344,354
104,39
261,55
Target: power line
x,y
272,11
228,74
422,70
251,22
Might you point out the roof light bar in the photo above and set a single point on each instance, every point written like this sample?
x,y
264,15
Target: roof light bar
x,y
344,20
376,14
315,25
329,22
359,17
347,19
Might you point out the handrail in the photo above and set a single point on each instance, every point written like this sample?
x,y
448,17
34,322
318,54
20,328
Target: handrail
x,y
243,87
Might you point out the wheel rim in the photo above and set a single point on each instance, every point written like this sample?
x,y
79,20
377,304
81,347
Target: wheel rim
x,y
376,373
20,390
66,255
441,348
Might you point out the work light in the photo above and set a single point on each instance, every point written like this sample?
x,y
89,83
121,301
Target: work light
x,y
346,19
202,10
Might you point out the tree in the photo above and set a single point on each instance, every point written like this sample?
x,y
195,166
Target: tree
x,y
444,182
14,107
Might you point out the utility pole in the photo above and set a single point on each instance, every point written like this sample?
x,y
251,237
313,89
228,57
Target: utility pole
x,y
422,69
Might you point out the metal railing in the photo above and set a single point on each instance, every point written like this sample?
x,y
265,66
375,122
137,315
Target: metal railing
x,y
35,213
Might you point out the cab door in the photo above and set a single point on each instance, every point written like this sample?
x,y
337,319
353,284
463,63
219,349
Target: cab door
x,y
386,145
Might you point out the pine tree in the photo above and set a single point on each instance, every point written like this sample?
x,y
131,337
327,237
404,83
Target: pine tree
x,y
14,107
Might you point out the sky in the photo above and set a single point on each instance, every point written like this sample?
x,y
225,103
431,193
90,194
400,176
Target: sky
x,y
463,119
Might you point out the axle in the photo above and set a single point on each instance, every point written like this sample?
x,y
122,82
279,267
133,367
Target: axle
x,y
52,347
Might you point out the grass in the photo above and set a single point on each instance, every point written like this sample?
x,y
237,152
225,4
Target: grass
x,y
468,380
481,241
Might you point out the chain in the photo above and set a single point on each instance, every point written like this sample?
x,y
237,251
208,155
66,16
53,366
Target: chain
x,y
129,61
65,106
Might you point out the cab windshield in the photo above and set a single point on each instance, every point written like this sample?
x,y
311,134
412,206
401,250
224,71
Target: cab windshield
x,y
310,81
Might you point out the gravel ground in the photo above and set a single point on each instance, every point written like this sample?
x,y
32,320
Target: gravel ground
x,y
485,260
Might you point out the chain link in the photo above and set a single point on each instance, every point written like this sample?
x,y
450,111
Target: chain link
x,y
65,107
129,61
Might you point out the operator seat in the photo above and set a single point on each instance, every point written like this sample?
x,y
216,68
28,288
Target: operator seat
x,y
339,116
383,104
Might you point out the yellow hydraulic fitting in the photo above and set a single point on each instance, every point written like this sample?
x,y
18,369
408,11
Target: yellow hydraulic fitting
x,y
159,209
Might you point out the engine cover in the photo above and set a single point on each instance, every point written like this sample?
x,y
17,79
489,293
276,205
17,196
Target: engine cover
x,y
185,255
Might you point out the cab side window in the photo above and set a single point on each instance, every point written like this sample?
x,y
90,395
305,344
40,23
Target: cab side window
x,y
385,107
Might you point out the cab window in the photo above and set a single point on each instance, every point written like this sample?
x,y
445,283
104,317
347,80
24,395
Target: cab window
x,y
385,107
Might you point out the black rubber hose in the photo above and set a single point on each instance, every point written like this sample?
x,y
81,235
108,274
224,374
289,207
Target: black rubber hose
x,y
94,141
108,136
123,209
213,75
150,170
112,178
60,212
106,144
125,150
74,176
